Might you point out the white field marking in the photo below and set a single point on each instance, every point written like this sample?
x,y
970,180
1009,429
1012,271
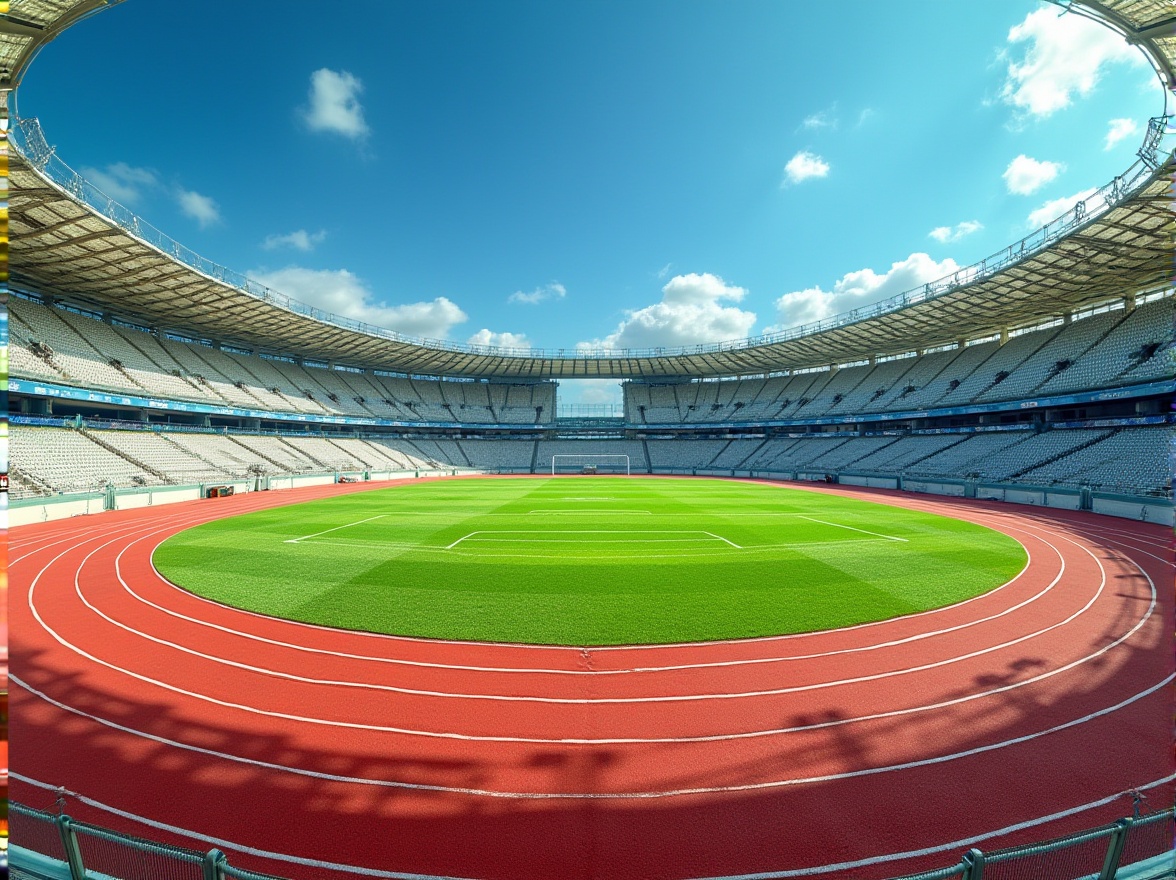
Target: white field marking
x,y
546,536
626,740
594,554
346,526
1001,518
978,517
536,670
367,686
800,872
854,529
771,875
581,513
721,538
637,795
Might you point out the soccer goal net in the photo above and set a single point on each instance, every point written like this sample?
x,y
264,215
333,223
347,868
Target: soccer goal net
x,y
598,463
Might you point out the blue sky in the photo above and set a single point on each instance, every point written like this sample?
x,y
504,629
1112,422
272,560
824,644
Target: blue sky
x,y
628,174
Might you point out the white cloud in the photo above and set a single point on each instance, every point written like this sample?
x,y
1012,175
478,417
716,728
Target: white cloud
x,y
857,289
1025,176
591,391
824,119
664,271
802,166
865,116
122,182
690,312
499,340
945,234
342,293
1065,57
299,239
1054,209
334,103
199,207
1120,129
554,290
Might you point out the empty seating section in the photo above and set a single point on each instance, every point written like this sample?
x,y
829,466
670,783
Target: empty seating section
x,y
962,459
1070,343
68,461
684,453
500,455
1132,460
1137,350
873,386
1035,451
58,345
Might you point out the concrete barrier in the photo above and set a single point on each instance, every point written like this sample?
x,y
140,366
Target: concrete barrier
x,y
152,496
22,513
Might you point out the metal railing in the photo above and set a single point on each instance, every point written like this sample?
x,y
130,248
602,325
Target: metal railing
x,y
49,846
29,140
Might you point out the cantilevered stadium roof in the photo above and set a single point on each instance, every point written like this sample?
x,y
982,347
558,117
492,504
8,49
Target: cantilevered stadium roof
x,y
70,239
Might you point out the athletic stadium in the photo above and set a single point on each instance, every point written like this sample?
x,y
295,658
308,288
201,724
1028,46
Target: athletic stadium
x,y
293,596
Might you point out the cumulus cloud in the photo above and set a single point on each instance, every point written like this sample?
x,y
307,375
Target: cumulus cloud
x,y
499,340
1120,129
341,292
334,104
803,166
554,290
854,290
299,239
122,182
1064,57
199,207
1055,208
1025,176
691,312
946,234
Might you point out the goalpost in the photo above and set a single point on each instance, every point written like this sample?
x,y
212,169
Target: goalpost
x,y
590,464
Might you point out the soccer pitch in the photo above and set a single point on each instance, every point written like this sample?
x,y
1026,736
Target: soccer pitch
x,y
588,560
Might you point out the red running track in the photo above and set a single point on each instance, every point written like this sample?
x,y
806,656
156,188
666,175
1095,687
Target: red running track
x,y
864,752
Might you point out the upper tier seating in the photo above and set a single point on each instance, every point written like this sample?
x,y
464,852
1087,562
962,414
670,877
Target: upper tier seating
x,y
1106,350
58,345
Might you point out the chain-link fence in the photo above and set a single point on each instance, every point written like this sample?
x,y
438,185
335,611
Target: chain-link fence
x,y
48,846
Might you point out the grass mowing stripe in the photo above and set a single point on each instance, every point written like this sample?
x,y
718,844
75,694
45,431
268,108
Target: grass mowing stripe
x,y
706,560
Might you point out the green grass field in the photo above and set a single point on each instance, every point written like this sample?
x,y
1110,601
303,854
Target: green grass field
x,y
588,560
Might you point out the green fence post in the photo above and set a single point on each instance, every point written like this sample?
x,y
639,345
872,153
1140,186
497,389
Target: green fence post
x,y
214,865
73,853
973,865
1115,849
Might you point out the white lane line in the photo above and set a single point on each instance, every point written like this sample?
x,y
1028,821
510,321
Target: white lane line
x,y
981,516
799,872
495,697
632,795
346,526
603,672
627,740
854,529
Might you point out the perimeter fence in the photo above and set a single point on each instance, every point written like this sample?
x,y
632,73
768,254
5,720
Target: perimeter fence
x,y
49,846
